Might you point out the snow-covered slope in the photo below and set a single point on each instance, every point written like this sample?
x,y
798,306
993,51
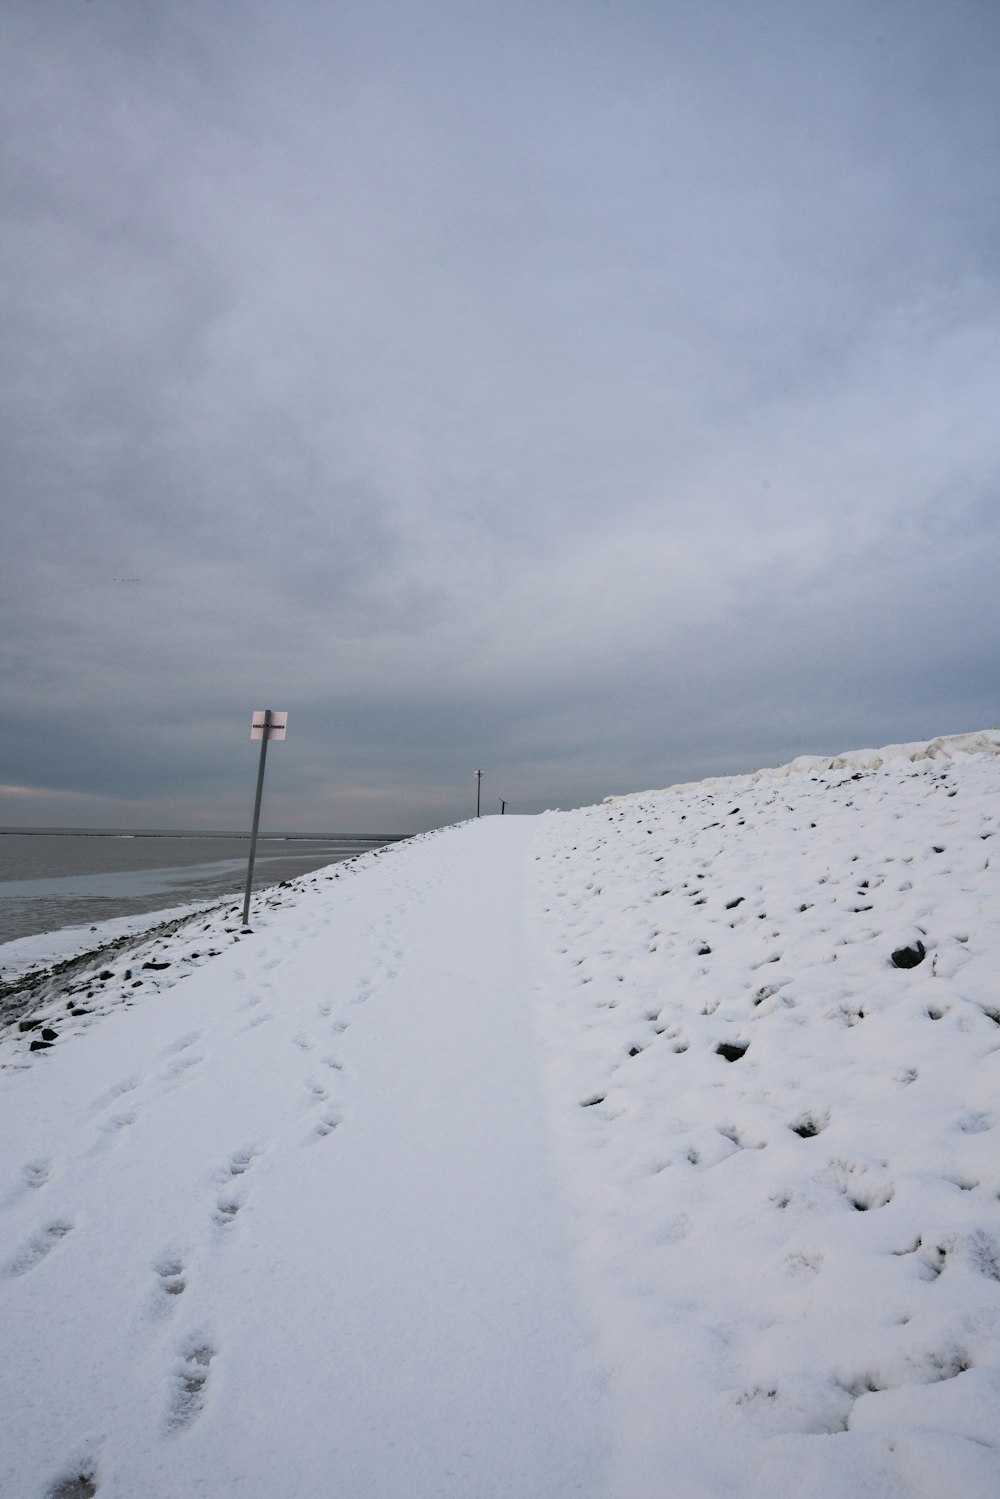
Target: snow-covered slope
x,y
792,1247
439,1183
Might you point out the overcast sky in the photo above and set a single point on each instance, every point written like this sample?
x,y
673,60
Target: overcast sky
x,y
599,394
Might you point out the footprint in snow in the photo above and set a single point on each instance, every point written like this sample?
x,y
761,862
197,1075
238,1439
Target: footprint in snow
x,y
113,1127
182,1043
241,1161
38,1247
256,1020
800,1265
34,1175
975,1123
230,1200
190,1379
226,1209
180,1067
80,1484
327,1122
169,1271
118,1090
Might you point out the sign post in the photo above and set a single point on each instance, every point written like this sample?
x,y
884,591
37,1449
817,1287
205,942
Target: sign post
x,y
264,725
479,787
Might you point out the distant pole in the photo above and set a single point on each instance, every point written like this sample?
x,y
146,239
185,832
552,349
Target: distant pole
x,y
265,726
503,805
479,787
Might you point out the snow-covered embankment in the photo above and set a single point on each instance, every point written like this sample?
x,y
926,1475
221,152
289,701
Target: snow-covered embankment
x,y
783,1147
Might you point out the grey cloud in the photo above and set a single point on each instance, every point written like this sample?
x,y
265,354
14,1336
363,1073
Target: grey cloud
x,y
600,392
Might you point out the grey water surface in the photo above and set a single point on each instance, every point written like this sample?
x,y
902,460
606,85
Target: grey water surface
x,y
50,880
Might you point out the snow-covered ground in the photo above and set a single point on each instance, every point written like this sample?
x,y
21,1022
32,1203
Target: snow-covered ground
x,y
437,1183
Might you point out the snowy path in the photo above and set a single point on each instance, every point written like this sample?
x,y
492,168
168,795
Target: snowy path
x,y
292,1229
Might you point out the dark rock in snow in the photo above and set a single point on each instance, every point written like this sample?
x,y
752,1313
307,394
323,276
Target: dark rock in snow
x,y
40,1046
909,957
28,1025
732,1051
156,963
48,1034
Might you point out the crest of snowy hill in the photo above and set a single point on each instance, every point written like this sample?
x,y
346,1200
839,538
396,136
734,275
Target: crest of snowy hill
x,y
783,1140
946,747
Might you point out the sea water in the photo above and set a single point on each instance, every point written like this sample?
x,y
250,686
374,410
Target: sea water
x,y
50,880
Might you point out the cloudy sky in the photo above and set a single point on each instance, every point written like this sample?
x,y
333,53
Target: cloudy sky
x,y
600,394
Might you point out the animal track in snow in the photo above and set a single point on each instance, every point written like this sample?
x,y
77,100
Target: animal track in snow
x,y
81,1484
37,1248
226,1208
975,1123
114,1093
35,1174
182,1043
241,1161
190,1379
180,1067
327,1123
256,1020
170,1275
799,1264
113,1128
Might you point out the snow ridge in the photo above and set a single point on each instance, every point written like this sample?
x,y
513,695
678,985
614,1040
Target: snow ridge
x,y
945,747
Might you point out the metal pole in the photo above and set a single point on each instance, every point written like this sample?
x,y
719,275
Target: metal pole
x,y
256,812
503,805
479,787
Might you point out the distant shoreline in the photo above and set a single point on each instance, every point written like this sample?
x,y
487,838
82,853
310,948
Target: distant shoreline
x,y
198,833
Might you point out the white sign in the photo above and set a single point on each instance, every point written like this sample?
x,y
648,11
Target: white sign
x,y
276,728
